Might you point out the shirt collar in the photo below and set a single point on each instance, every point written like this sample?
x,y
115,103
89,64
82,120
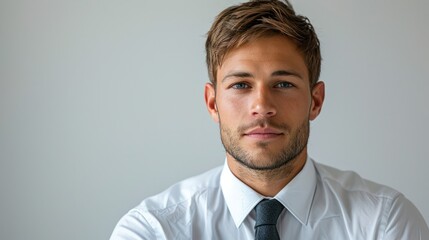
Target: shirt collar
x,y
296,196
239,197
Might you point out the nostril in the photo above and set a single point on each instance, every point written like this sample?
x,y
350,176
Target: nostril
x,y
264,113
270,113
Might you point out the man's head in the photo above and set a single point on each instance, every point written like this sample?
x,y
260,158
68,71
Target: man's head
x,y
239,24
264,63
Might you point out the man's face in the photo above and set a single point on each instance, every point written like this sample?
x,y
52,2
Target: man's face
x,y
263,103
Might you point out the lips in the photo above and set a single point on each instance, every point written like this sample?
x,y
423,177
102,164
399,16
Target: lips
x,y
263,133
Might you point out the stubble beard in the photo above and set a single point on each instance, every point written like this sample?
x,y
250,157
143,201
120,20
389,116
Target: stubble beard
x,y
298,140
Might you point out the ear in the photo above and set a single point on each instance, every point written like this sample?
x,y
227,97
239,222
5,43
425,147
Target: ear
x,y
317,98
210,98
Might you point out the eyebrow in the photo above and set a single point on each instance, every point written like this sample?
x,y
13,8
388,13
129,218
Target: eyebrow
x,y
285,73
277,73
238,75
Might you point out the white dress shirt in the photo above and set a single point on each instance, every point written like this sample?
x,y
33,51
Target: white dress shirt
x,y
320,203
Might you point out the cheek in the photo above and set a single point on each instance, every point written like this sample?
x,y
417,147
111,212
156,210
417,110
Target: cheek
x,y
293,107
231,108
296,105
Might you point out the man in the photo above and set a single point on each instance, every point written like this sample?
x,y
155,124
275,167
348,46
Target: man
x,y
264,65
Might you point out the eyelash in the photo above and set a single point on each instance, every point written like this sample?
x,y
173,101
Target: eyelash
x,y
243,85
287,83
240,83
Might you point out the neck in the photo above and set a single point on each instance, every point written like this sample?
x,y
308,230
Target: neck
x,y
268,182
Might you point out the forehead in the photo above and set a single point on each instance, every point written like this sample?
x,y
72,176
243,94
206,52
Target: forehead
x,y
268,53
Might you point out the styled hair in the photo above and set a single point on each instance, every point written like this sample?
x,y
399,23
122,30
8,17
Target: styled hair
x,y
241,23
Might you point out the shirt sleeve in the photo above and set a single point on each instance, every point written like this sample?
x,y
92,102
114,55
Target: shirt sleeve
x,y
133,226
404,222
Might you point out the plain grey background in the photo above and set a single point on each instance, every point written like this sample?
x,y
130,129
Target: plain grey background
x,y
101,104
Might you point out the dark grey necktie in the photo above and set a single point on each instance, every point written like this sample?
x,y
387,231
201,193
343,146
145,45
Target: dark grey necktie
x,y
267,213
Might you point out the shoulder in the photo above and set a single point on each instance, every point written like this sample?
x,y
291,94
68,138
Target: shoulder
x,y
167,214
349,195
365,205
183,191
349,181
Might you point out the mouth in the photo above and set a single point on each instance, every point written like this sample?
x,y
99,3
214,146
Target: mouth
x,y
263,133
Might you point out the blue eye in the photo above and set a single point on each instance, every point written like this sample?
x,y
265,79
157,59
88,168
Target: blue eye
x,y
240,86
284,85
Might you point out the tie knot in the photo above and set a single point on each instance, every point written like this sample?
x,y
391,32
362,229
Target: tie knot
x,y
267,212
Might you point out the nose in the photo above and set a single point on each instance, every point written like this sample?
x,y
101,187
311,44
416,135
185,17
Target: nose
x,y
263,103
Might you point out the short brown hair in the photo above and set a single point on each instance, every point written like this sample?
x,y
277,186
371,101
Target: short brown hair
x,y
241,23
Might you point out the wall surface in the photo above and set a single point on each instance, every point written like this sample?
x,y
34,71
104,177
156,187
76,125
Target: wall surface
x,y
101,104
